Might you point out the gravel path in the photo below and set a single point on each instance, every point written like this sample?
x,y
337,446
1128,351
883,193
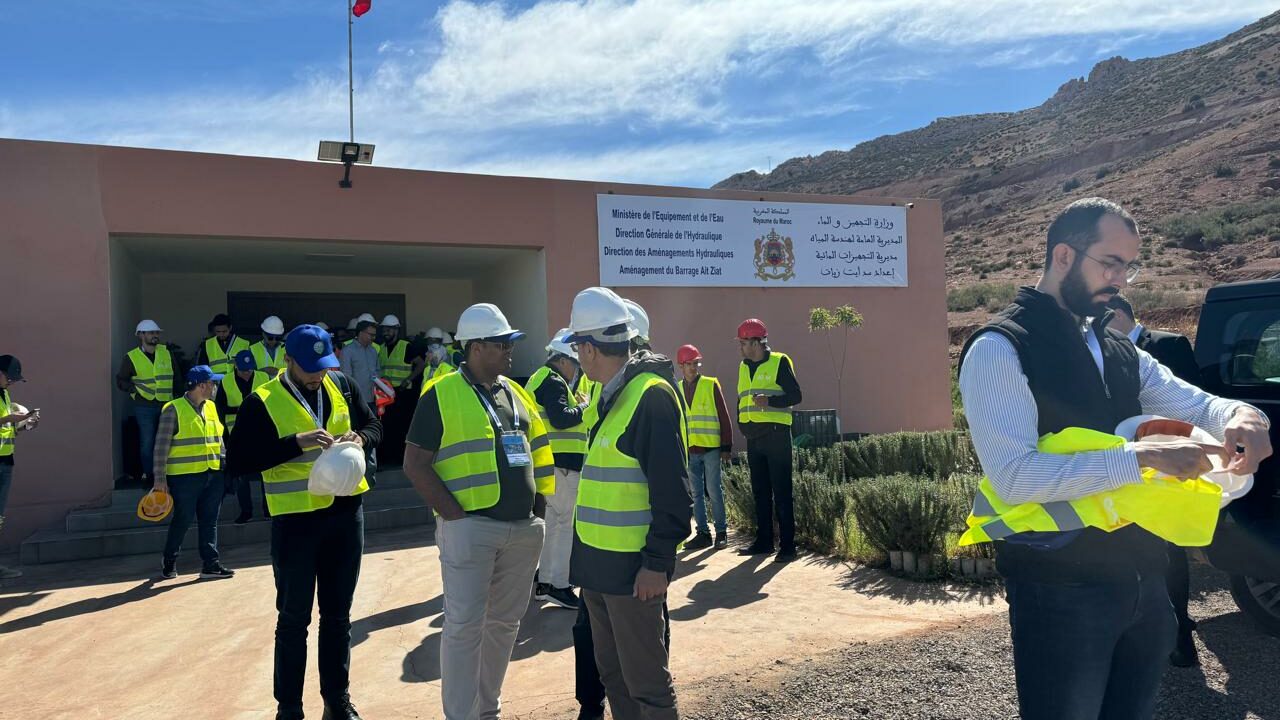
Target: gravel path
x,y
966,673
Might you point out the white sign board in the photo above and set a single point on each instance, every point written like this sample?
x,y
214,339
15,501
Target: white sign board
x,y
698,242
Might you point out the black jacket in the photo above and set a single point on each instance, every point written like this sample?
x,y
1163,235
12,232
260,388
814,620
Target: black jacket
x,y
563,411
1172,351
654,439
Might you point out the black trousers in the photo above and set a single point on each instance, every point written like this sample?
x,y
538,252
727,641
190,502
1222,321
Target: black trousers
x,y
769,458
588,687
1178,581
315,555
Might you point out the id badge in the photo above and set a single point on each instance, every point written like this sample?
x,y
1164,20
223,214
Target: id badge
x,y
517,454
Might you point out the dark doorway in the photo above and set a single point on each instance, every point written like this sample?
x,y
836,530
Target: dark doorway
x,y
248,309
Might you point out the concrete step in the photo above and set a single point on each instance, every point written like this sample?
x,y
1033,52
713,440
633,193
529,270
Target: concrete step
x,y
49,546
391,479
124,515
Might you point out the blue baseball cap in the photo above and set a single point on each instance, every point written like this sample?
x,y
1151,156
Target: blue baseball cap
x,y
245,361
202,373
311,347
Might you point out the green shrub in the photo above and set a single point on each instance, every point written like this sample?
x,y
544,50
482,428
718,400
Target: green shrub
x,y
927,454
1070,185
1194,103
989,296
1212,229
1102,172
903,512
1223,170
1274,163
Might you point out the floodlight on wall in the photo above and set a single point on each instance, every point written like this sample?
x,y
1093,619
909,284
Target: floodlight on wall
x,y
347,153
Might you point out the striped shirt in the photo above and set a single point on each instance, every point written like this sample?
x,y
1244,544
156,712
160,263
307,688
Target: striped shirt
x,y
1003,419
166,429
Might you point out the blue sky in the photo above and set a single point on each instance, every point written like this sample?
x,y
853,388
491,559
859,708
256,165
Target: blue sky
x,y
681,92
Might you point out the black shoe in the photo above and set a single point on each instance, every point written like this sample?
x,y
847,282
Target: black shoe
x,y
169,569
541,592
591,713
722,540
700,541
563,597
785,555
342,711
215,571
290,715
756,549
1184,652
243,518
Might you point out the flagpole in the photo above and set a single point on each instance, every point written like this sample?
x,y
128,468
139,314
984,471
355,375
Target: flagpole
x,y
351,88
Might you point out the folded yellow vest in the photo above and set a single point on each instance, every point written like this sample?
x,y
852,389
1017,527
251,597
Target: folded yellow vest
x,y
1181,511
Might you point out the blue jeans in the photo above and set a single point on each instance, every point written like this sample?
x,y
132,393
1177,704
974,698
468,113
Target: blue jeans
x,y
6,479
704,470
197,496
148,417
1089,650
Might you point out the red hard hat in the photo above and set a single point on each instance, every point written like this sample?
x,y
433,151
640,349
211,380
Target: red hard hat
x,y
752,329
687,353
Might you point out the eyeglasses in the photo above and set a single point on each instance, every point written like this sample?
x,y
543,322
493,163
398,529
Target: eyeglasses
x,y
503,344
1115,268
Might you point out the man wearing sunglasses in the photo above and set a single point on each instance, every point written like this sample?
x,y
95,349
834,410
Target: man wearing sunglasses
x,y
268,353
479,454
1090,615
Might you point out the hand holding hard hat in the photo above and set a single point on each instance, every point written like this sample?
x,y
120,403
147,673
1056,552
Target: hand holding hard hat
x,y
1197,444
155,506
338,470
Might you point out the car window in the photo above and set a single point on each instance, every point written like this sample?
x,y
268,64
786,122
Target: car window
x,y
1255,349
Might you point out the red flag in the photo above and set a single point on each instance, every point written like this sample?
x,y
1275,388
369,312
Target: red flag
x,y
361,7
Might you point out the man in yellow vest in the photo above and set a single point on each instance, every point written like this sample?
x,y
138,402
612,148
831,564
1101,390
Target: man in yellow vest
x,y
235,388
147,374
397,369
562,411
316,540
1089,611
633,509
14,418
479,454
218,351
268,353
767,390
188,460
438,359
710,444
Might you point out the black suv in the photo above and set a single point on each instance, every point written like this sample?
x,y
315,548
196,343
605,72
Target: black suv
x,y
1238,349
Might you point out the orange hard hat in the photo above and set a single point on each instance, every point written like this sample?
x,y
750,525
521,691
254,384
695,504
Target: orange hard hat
x,y
687,353
752,329
155,506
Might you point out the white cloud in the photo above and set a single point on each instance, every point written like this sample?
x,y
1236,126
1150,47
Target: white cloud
x,y
486,76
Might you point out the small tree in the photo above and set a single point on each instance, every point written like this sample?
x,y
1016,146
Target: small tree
x,y
830,321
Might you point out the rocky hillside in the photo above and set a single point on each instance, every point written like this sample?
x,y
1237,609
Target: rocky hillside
x,y
1188,142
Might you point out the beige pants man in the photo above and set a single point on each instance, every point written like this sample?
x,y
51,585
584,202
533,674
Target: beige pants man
x,y
554,563
487,568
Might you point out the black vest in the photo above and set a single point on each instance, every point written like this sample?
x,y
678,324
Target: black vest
x,y
1069,392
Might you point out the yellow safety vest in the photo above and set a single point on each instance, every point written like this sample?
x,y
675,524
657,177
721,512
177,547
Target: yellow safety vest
x,y
467,460
235,398
224,362
572,440
8,431
152,379
613,510
198,445
430,375
263,359
285,485
591,415
1183,512
394,367
764,382
704,421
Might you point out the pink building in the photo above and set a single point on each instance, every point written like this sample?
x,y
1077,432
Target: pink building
x,y
97,238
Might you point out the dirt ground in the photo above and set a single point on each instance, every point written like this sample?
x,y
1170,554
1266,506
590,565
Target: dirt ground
x,y
104,639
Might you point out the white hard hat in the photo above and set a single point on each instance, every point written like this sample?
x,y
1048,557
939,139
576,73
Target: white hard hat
x,y
558,345
448,339
147,326
352,325
273,326
597,309
485,320
390,321
338,470
321,325
366,317
436,332
639,319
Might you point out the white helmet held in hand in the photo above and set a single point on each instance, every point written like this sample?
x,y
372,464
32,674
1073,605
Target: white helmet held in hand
x,y
485,320
273,326
338,470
